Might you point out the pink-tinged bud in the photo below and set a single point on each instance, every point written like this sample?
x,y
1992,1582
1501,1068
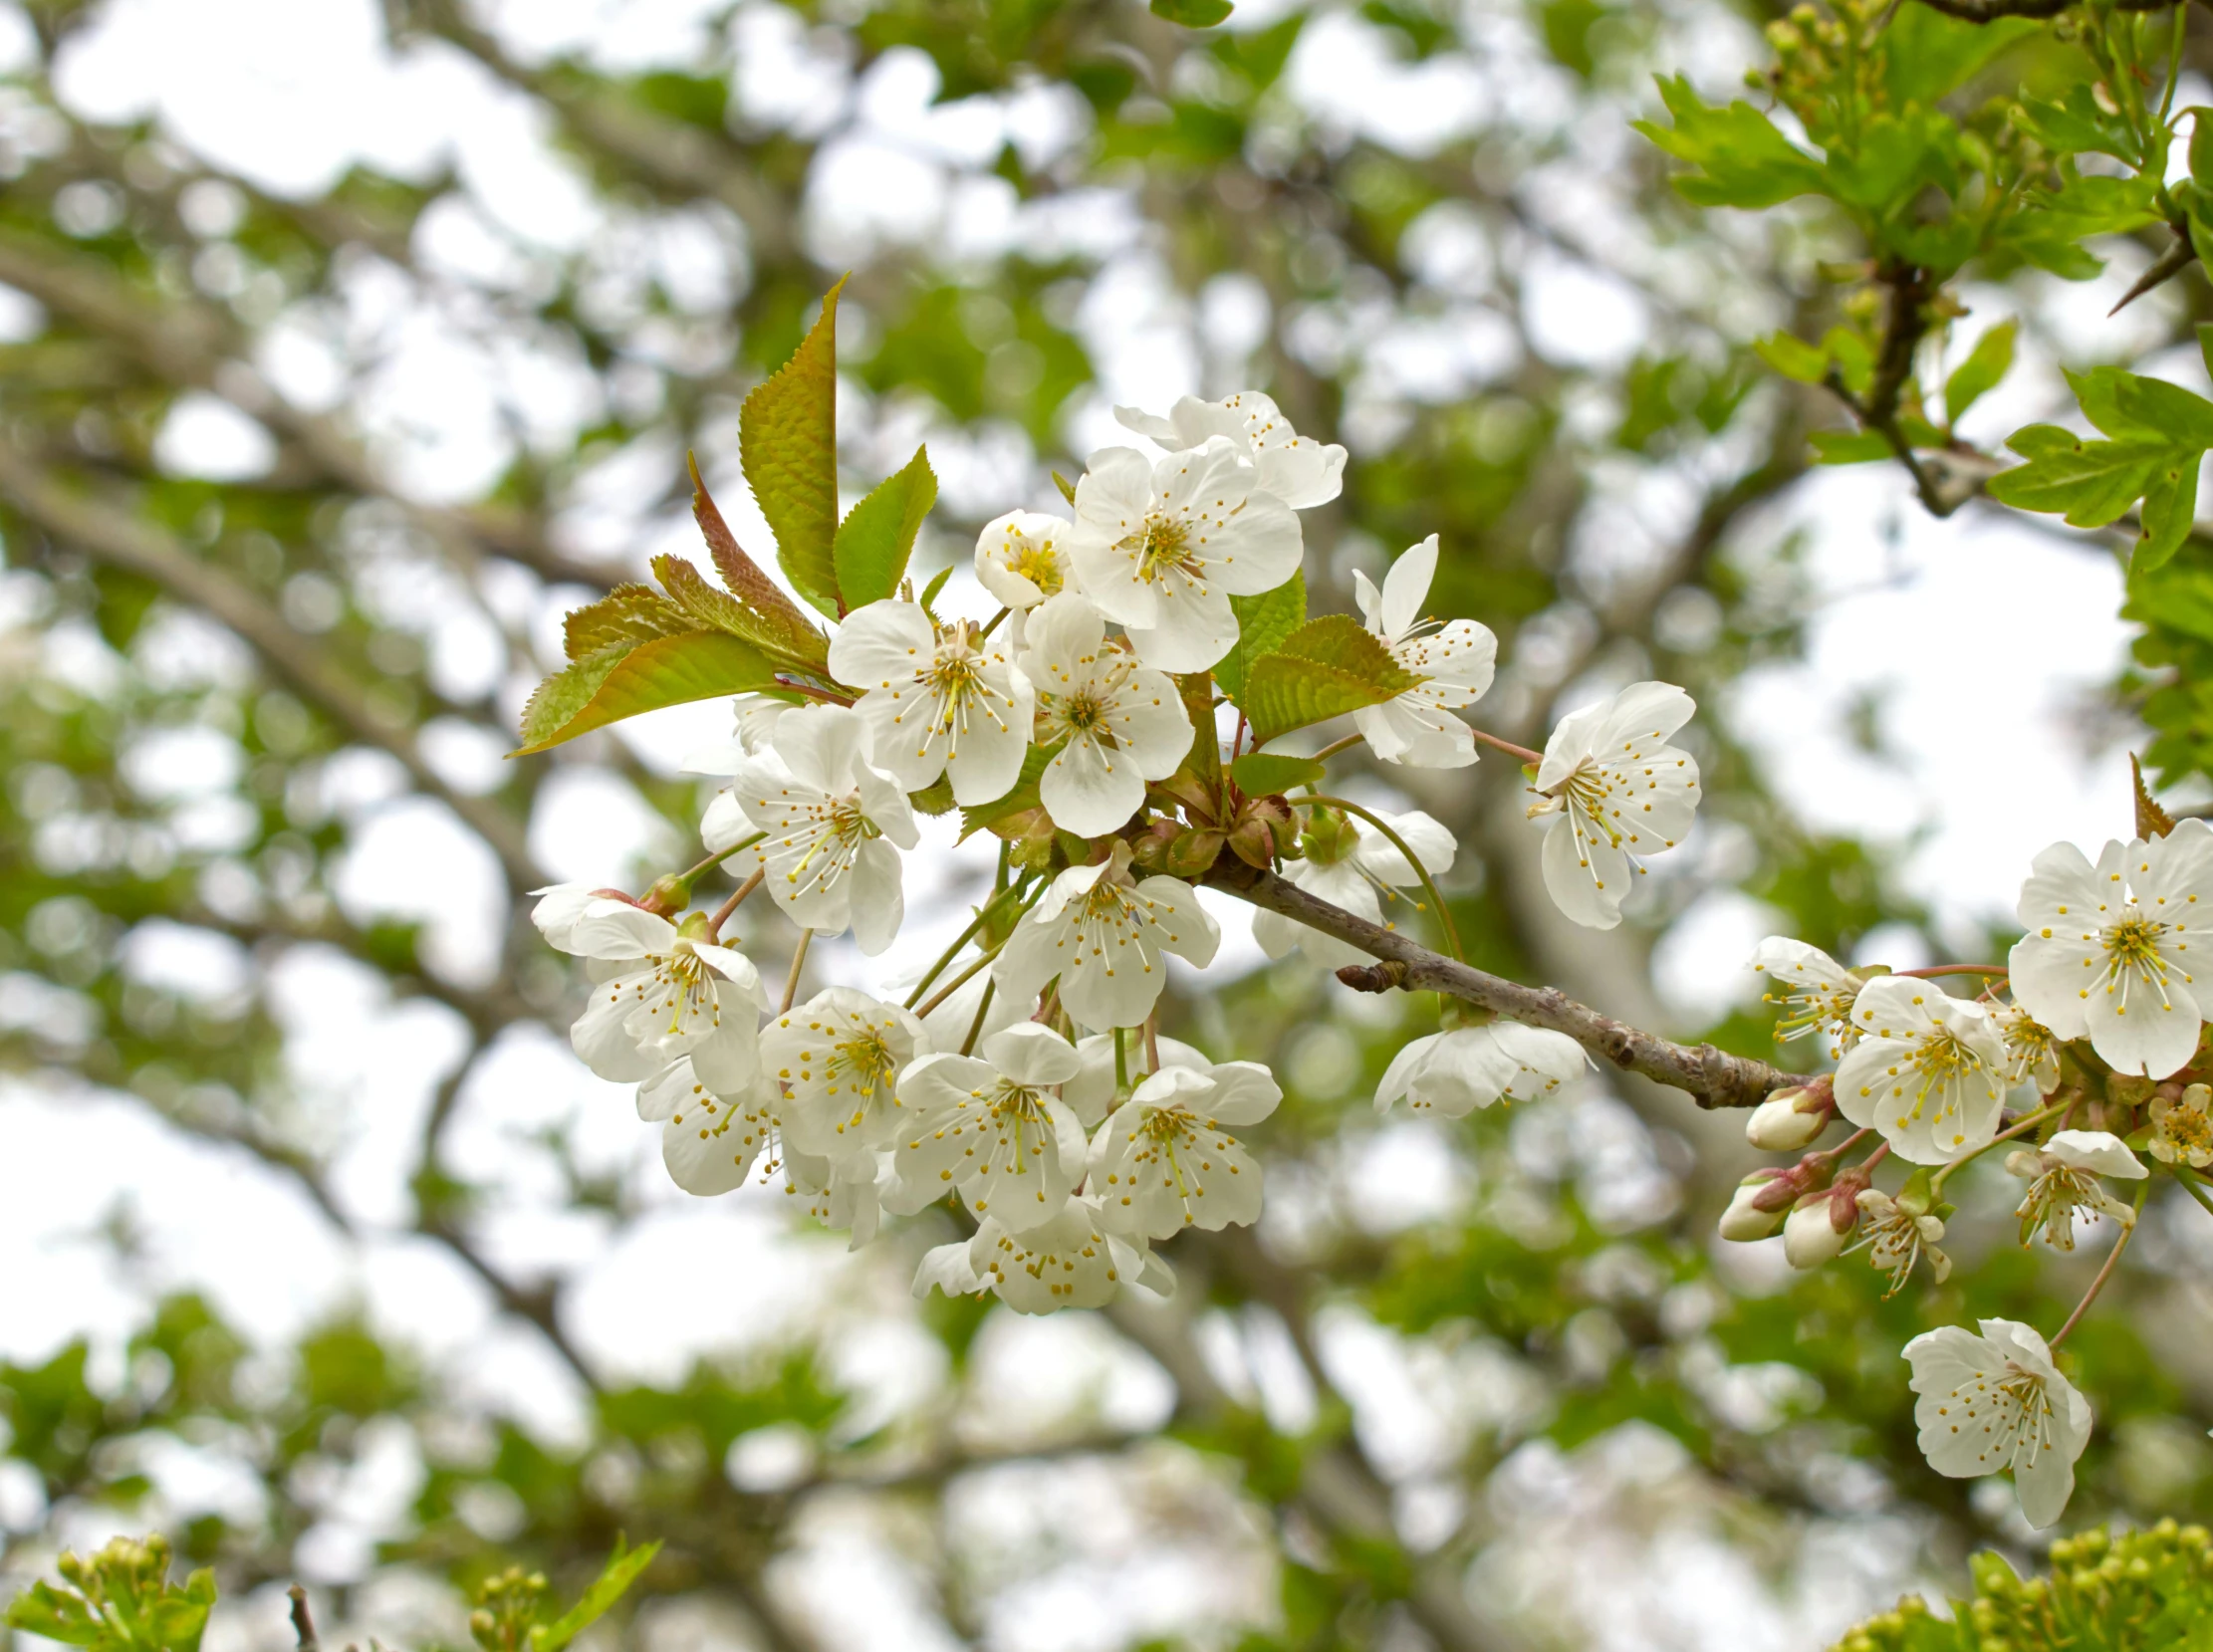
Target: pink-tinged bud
x,y
1810,1236
1792,1119
1744,1220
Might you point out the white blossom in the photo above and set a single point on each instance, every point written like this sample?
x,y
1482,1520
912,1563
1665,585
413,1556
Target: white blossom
x,y
1609,791
936,699
2106,955
2181,1131
2032,1053
1162,547
1817,991
1929,1070
1456,1071
838,1057
560,907
2063,1179
1117,722
1106,936
1810,1236
709,1143
1993,1402
1364,870
1896,1234
1069,1261
832,823
1298,470
1163,1162
1455,662
992,1129
1745,1220
664,994
1022,559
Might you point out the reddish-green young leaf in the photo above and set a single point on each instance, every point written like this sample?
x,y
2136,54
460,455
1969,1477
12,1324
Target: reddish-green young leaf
x,y
781,628
788,437
626,617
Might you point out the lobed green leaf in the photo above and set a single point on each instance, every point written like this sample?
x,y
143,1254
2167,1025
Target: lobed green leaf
x,y
1741,157
1987,363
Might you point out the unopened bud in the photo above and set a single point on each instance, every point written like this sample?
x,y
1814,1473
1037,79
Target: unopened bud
x,y
1791,1118
1149,849
1744,1220
1193,852
1810,1236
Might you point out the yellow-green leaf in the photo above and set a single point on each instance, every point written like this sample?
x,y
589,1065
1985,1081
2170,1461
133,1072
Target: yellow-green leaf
x,y
1263,622
626,617
878,536
609,687
1985,366
1265,774
788,435
619,1574
1326,667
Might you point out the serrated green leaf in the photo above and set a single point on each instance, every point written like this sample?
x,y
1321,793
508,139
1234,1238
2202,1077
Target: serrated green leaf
x,y
787,443
1326,667
877,535
1987,363
42,1609
1263,622
1793,357
2126,406
2091,482
668,671
930,590
1894,158
782,628
2169,513
1742,159
1927,55
626,617
1849,447
1263,773
2177,593
1194,14
614,1578
2074,126
1852,358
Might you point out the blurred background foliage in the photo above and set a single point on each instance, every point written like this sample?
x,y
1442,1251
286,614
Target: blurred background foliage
x,y
1489,1385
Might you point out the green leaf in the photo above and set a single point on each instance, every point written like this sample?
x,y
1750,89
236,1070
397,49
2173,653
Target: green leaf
x,y
1927,56
1265,774
877,535
1853,359
1740,156
1068,488
617,1575
780,628
1985,366
668,671
1794,357
58,1615
2091,482
1895,159
2177,594
2075,126
1326,667
626,617
2170,512
1849,447
1193,14
179,1618
930,590
2126,404
788,437
1263,622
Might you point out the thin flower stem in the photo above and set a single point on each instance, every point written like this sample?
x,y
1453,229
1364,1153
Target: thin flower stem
x,y
1237,738
1936,1182
959,981
1337,746
826,695
1997,970
736,900
980,636
1847,1145
713,860
2105,1272
1391,837
1122,1061
799,963
1508,746
982,917
1152,1043
976,1026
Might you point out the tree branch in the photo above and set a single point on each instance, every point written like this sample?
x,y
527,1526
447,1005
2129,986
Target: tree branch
x,y
122,541
1713,1078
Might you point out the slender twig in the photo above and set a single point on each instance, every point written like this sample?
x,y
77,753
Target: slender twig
x,y
2018,1127
2113,1259
976,1026
302,1622
982,917
799,964
1714,1076
1391,836
1508,746
1337,746
736,900
959,981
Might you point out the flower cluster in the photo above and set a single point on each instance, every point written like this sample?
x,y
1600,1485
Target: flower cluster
x,y
1024,1078
2087,1047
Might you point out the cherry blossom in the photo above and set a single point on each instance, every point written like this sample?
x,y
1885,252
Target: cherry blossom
x,y
1162,547
1162,1162
838,1057
1298,470
1611,791
1458,1071
2063,1179
665,992
936,699
1993,1402
2181,1131
1929,1070
992,1129
1022,558
1117,722
1815,994
1454,661
1068,1260
1104,936
2106,955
